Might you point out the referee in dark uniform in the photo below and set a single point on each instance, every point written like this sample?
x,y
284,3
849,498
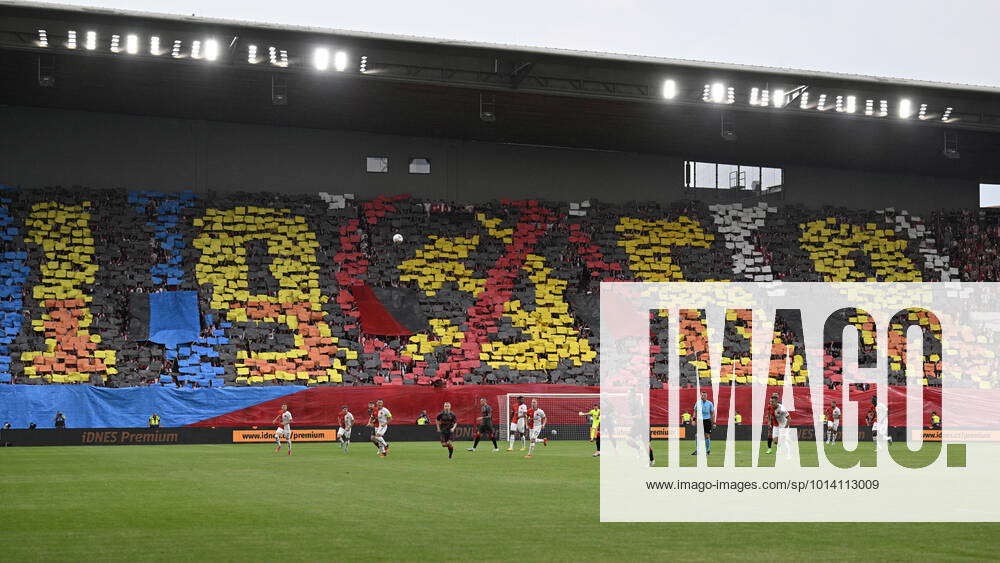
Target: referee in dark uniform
x,y
446,423
485,425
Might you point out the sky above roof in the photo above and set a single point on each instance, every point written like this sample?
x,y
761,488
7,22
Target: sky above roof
x,y
953,41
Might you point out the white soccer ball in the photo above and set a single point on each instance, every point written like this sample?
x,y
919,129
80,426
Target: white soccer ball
x,y
397,238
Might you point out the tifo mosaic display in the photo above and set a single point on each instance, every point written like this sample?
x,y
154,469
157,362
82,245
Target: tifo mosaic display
x,y
508,286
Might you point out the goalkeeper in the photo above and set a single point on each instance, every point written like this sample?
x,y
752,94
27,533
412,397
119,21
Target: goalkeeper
x,y
594,417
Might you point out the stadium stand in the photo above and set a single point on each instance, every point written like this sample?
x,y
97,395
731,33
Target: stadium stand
x,y
509,288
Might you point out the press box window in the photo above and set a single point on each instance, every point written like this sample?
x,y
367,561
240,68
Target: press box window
x,y
420,166
377,164
731,176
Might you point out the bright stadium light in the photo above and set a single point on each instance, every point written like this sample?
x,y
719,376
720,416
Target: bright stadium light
x,y
154,45
43,38
115,43
211,49
821,106
718,92
252,54
176,51
363,67
272,55
669,89
883,108
922,113
71,39
283,55
804,100
730,95
947,114
754,96
765,98
838,104
321,58
196,49
779,98
131,43
91,42
852,104
905,108
706,93
869,107
340,61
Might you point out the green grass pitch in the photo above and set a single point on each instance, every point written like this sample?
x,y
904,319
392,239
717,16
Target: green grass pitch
x,y
245,503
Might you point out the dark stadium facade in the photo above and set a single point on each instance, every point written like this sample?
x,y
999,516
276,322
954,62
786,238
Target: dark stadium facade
x,y
548,123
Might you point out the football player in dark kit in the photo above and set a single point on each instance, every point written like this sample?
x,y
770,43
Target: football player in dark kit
x,y
446,424
485,427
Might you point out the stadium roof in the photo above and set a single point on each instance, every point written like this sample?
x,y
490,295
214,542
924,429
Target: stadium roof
x,y
501,93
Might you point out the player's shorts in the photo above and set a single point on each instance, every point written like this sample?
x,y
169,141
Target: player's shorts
x,y
380,431
344,433
879,430
280,432
534,433
520,427
486,429
775,432
445,437
833,425
707,425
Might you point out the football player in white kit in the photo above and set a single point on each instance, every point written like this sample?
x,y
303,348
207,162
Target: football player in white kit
x,y
284,422
833,424
538,421
880,426
780,432
381,417
519,429
344,432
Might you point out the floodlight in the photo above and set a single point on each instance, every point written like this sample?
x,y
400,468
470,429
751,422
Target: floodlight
x,y
211,49
779,98
340,61
91,42
718,92
905,108
669,89
321,58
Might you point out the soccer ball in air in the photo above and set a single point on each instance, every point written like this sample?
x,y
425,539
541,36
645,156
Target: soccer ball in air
x,y
397,238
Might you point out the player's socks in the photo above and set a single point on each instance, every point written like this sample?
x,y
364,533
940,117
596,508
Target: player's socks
x,y
770,443
597,440
510,440
451,450
347,446
708,445
495,446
